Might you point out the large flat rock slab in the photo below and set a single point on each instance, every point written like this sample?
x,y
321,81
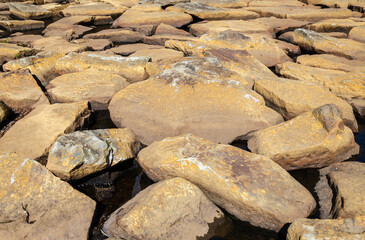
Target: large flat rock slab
x,y
247,185
170,209
358,34
312,140
35,204
29,11
21,25
117,36
11,51
57,44
335,25
93,9
42,126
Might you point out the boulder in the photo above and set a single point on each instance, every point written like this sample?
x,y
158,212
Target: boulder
x,y
117,35
165,29
43,126
93,9
311,140
251,187
12,51
170,209
280,25
335,25
28,11
21,25
4,113
147,7
292,98
128,49
92,85
156,54
68,34
36,205
57,44
94,44
358,33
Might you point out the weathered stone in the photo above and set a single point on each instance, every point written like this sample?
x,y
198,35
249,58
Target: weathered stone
x,y
117,35
127,49
357,4
19,89
102,20
68,22
72,32
93,9
156,54
11,51
4,112
147,7
146,30
162,39
21,25
247,185
346,229
41,65
358,33
81,153
329,3
165,29
321,43
92,85
57,44
289,49
23,40
28,11
170,209
137,18
94,44
36,205
341,190
336,34
281,25
292,98
312,140
42,126
198,96
275,3
131,68
335,25
288,37
224,3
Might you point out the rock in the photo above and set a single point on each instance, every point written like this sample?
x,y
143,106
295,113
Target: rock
x,y
23,40
68,34
224,3
21,25
320,43
57,44
131,68
146,30
43,126
28,11
41,65
202,97
312,140
165,29
281,25
4,113
117,36
68,22
289,49
358,34
328,3
170,209
328,61
11,51
247,185
356,4
147,7
36,205
93,9
102,20
156,54
277,3
94,44
91,85
329,229
128,49
19,89
334,25
340,190
81,153
336,34
162,39
292,98
288,37
134,19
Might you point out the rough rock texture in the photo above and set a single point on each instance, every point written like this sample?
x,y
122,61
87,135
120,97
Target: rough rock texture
x,y
281,25
165,29
21,25
34,204
117,35
162,39
224,3
19,89
4,113
57,44
156,54
329,3
93,9
28,11
195,96
247,185
170,209
335,25
131,68
358,34
127,49
92,85
341,190
94,44
42,126
321,43
78,154
292,98
11,51
346,229
312,140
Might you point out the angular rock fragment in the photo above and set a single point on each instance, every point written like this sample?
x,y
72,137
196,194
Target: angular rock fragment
x,y
335,25
156,54
93,9
42,126
28,11
36,204
127,49
94,44
12,51
57,44
165,29
21,25
162,39
329,3
247,185
224,3
281,25
358,34
312,140
24,40
117,35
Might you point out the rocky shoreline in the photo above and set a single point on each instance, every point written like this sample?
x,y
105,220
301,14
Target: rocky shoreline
x,y
121,119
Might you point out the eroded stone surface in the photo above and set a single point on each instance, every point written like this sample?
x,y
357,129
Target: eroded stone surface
x,y
29,11
21,25
117,36
57,44
93,9
4,113
358,34
11,51
156,54
335,25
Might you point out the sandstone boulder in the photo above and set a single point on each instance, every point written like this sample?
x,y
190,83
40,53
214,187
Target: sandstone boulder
x,y
94,44
224,3
11,51
165,29
128,49
358,34
21,25
93,9
117,35
156,54
57,44
335,25
24,40
28,11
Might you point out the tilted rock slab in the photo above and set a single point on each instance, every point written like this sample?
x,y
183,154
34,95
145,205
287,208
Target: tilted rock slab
x,y
312,140
34,204
194,96
78,154
29,11
33,135
57,44
170,209
335,25
93,9
11,51
358,34
117,35
21,25
292,98
250,186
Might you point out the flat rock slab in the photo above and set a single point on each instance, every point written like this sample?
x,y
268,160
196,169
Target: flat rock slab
x,y
20,90
358,34
329,3
11,51
165,29
57,44
23,40
131,68
349,228
162,39
92,85
223,3
21,25
29,11
320,43
170,209
78,154
134,19
95,44
341,190
34,203
281,25
292,98
117,35
93,9
312,140
157,54
335,25
128,49
43,126
196,95
251,187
